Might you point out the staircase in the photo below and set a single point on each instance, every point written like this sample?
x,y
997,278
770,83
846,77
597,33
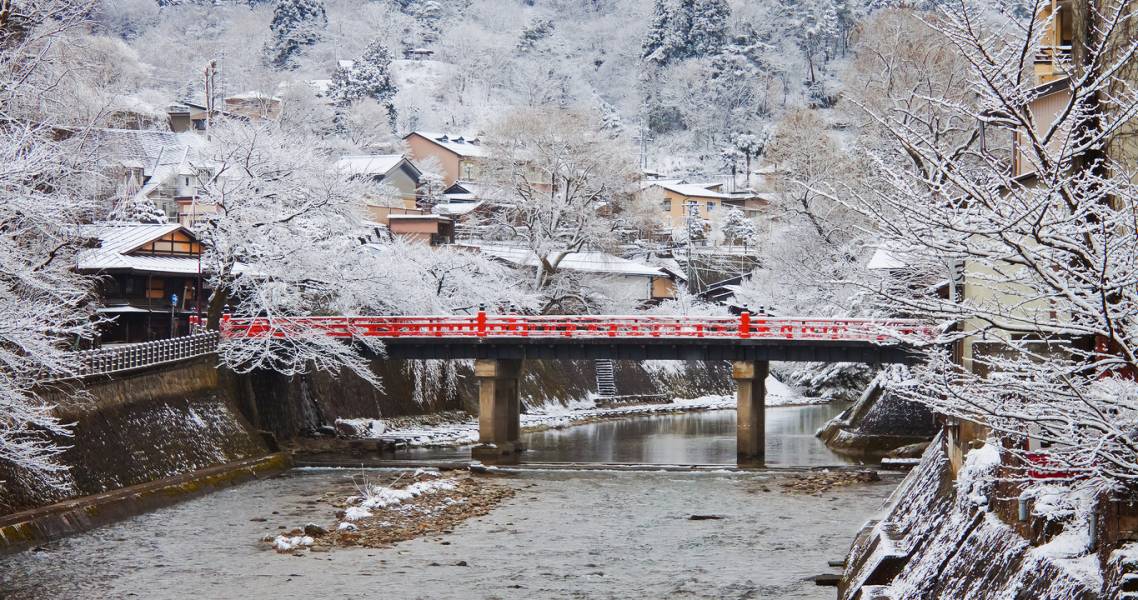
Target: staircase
x,y
606,380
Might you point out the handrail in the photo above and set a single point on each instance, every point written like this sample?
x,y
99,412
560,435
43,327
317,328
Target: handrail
x,y
483,325
115,359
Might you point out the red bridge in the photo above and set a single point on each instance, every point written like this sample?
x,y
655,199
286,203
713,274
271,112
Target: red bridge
x,y
502,342
745,337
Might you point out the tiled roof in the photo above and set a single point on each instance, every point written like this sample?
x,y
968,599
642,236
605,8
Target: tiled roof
x,y
153,149
116,240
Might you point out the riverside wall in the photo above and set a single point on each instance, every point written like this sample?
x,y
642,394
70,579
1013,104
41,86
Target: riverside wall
x,y
953,529
139,440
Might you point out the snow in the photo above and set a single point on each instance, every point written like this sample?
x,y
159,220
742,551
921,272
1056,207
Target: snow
x,y
976,476
369,164
462,145
284,543
380,496
355,513
582,262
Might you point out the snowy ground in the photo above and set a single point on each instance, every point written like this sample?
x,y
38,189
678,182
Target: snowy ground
x,y
556,415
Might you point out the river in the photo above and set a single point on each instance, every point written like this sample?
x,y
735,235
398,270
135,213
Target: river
x,y
704,438
565,534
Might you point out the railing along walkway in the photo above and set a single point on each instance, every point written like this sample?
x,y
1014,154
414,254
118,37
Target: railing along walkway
x,y
127,357
482,325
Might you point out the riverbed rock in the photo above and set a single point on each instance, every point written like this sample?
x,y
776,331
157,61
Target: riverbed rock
x,y
314,530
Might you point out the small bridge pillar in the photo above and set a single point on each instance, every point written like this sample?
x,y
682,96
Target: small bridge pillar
x,y
751,377
499,409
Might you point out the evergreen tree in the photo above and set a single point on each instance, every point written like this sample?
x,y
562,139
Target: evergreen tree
x,y
135,207
667,37
708,33
686,28
296,24
737,228
369,76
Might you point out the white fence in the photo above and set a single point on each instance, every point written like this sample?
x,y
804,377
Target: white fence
x,y
127,357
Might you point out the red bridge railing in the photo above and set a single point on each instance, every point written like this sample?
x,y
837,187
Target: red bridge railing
x,y
483,325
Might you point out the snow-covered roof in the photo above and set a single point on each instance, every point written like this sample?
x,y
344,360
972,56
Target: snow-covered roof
x,y
582,262
369,164
153,149
883,260
456,209
117,240
461,145
253,95
696,190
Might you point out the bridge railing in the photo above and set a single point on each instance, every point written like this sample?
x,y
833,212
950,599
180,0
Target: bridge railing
x,y
581,326
127,357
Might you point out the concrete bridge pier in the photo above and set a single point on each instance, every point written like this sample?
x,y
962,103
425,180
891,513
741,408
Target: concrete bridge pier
x,y
499,410
750,377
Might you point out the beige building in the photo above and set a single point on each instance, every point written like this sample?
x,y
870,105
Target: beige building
x,y
395,179
677,199
459,158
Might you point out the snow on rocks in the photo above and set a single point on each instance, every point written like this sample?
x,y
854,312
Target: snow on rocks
x,y
381,496
284,543
355,513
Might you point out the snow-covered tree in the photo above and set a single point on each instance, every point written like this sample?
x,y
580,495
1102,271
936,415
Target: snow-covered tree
x,y
296,24
667,36
534,32
140,209
285,234
709,20
557,172
816,28
737,228
686,28
1045,315
369,76
750,146
44,303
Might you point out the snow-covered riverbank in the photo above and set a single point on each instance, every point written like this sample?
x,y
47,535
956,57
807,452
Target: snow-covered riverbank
x,y
464,430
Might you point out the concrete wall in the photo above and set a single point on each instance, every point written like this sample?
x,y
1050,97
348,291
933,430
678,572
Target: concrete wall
x,y
138,428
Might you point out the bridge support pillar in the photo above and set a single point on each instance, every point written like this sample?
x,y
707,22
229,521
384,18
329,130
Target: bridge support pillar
x,y
499,409
751,379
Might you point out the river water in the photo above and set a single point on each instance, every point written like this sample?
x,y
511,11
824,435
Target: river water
x,y
565,534
706,438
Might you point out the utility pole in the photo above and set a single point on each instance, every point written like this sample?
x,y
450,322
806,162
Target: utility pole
x,y
210,72
691,213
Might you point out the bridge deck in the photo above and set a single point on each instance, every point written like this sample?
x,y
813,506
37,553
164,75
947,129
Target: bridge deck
x,y
617,337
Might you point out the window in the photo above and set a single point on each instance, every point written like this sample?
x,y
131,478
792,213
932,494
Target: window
x,y
157,288
710,206
666,204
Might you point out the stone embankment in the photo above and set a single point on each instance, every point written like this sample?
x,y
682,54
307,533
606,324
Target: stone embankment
x,y
140,440
959,527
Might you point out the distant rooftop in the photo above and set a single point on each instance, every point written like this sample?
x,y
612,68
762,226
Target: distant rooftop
x,y
457,143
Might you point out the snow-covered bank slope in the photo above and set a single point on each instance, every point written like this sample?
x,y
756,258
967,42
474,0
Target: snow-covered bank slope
x,y
939,539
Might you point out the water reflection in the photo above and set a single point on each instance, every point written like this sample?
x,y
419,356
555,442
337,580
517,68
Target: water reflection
x,y
685,438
